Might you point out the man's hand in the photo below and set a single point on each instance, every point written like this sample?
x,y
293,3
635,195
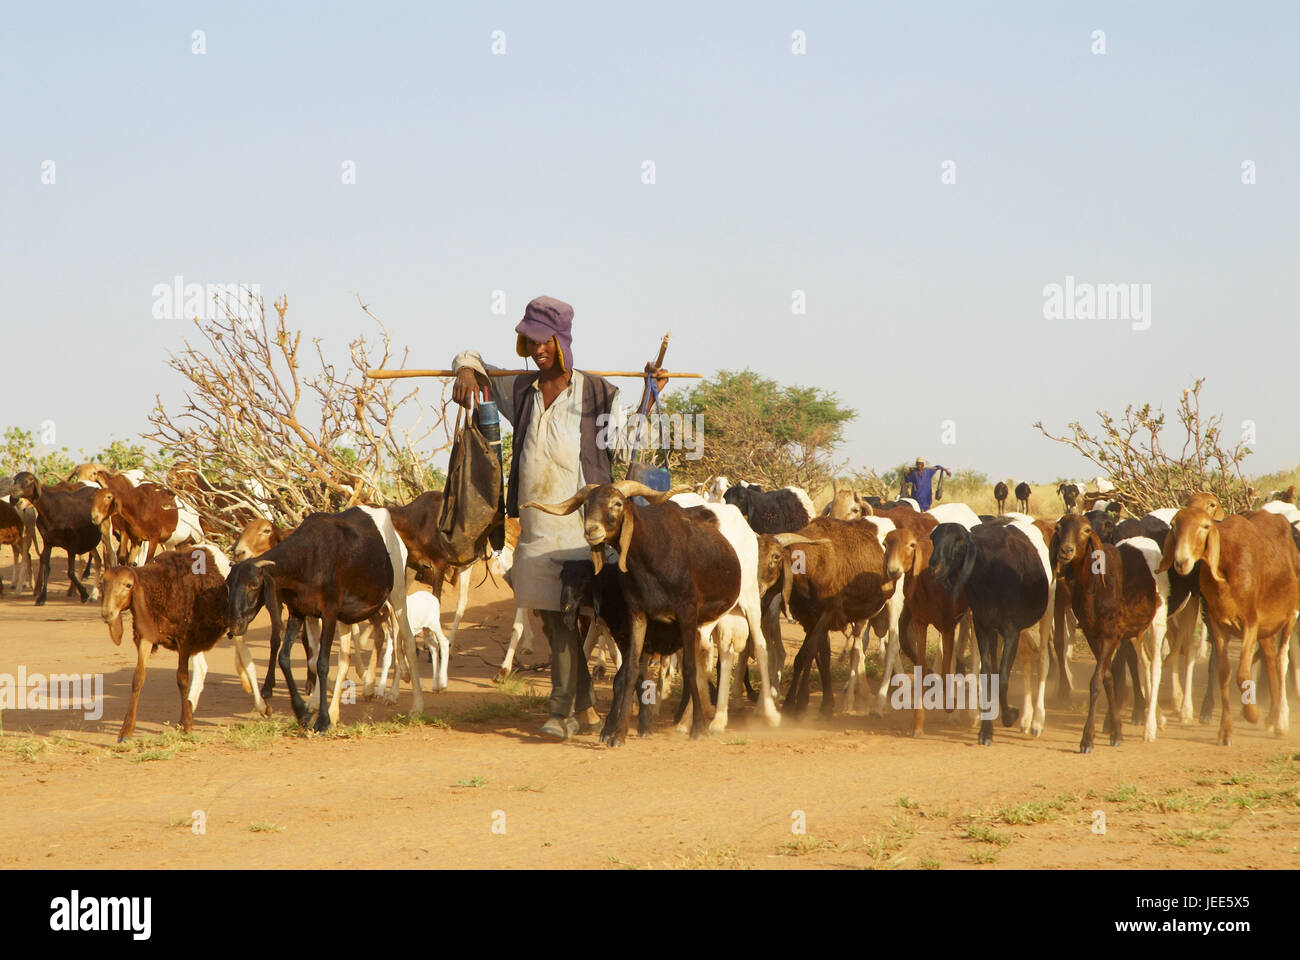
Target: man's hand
x,y
661,379
465,388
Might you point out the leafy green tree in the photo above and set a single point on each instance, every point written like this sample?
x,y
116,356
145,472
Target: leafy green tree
x,y
758,430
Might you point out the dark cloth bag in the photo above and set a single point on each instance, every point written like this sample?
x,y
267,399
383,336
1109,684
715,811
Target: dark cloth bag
x,y
473,506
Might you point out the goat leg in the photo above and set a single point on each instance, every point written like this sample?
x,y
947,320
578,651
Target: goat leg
x,y
616,721
988,638
1010,647
285,660
43,575
143,649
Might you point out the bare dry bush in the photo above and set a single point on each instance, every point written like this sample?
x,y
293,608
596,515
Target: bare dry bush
x,y
283,441
1146,476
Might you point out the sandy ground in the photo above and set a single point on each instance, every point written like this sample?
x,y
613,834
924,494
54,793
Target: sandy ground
x,y
481,788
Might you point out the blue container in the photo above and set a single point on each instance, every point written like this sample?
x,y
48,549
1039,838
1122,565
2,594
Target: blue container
x,y
656,478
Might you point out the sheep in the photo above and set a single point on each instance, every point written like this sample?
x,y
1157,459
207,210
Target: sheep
x,y
177,601
772,511
1005,575
693,565
64,521
1000,492
1023,490
151,514
340,567
1249,575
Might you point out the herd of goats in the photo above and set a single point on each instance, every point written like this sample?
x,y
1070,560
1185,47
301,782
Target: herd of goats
x,y
693,580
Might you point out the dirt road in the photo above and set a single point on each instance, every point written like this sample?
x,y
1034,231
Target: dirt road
x,y
476,786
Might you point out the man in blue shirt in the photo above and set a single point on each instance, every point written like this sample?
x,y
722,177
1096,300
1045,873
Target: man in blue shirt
x,y
920,477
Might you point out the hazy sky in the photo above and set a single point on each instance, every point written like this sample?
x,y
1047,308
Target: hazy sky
x,y
774,172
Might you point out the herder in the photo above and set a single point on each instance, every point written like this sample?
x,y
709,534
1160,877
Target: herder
x,y
561,418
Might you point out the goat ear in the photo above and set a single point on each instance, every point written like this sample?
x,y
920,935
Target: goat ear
x,y
597,557
1167,552
568,506
625,538
1211,557
920,557
1054,549
967,567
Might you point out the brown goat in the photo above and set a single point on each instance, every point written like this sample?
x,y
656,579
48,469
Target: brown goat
x,y
179,604
1000,493
1250,582
257,537
1114,597
907,555
149,513
842,582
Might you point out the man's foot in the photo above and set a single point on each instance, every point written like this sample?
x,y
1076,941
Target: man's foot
x,y
561,728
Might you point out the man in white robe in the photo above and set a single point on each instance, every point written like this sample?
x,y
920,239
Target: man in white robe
x,y
568,429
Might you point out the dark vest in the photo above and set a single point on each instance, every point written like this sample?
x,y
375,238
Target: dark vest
x,y
597,398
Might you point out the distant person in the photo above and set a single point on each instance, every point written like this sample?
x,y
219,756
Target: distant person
x,y
920,478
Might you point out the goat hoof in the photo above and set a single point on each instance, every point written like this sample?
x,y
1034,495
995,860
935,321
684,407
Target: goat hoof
x,y
1116,740
1036,730
40,601
1085,748
1010,715
1225,741
500,675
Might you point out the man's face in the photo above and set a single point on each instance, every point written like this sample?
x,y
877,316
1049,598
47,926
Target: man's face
x,y
543,353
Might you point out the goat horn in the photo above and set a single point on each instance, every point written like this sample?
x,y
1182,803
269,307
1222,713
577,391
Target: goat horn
x,y
634,488
568,506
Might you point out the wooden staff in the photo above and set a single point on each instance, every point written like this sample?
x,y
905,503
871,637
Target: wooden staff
x,y
406,374
638,374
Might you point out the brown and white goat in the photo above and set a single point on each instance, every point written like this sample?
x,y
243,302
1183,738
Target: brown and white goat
x,y
150,514
691,565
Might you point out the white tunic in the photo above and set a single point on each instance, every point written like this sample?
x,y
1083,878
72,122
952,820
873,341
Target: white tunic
x,y
550,472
